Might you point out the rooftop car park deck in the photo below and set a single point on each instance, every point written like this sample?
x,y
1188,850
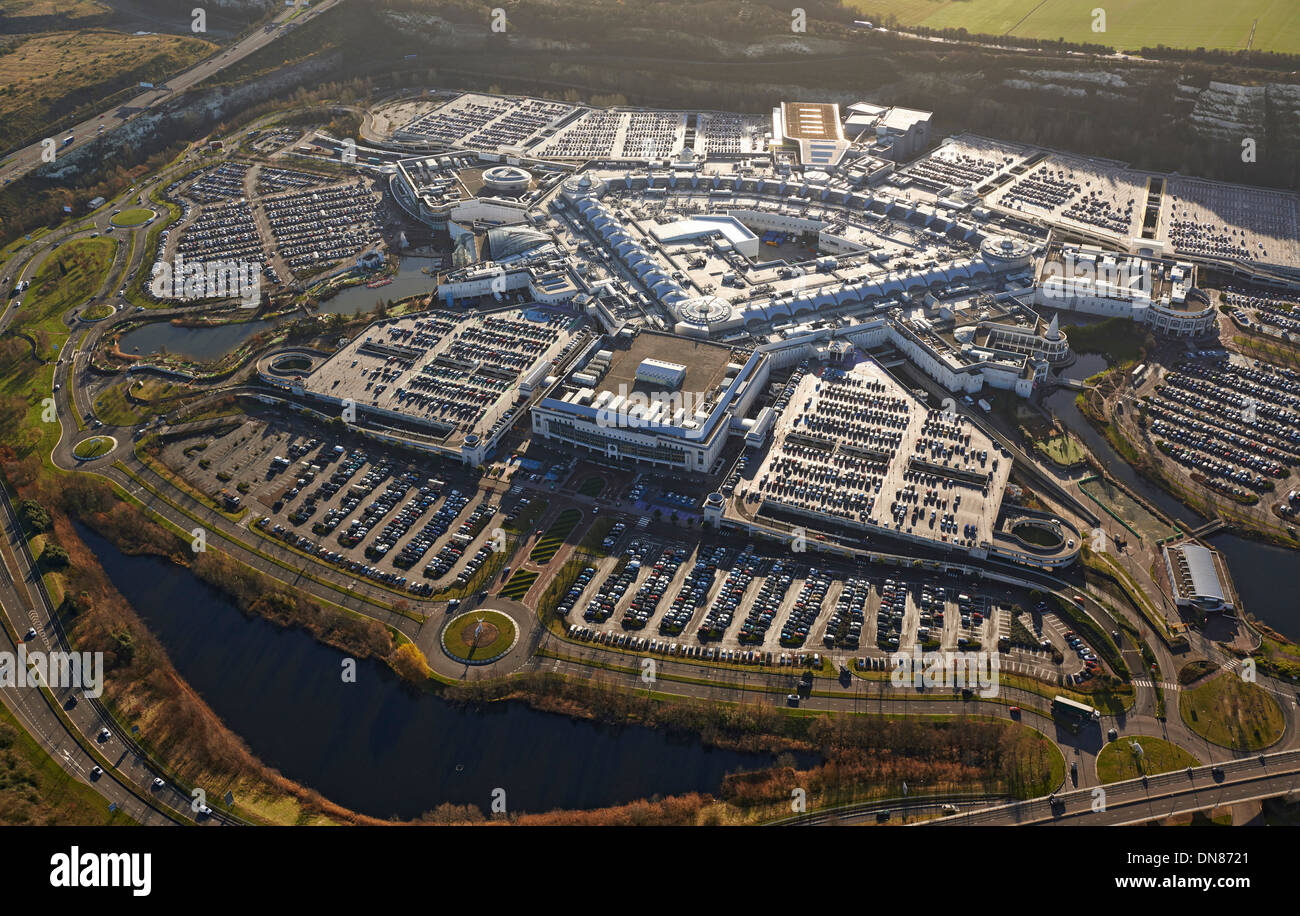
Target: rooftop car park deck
x,y
858,448
963,162
1080,191
451,374
1215,220
719,134
484,122
620,134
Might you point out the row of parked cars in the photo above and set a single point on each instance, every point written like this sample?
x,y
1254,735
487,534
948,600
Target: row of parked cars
x,y
764,607
438,525
723,609
844,629
889,618
646,600
684,650
694,591
807,608
335,558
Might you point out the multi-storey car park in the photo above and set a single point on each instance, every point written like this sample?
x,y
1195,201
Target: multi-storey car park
x,y
447,382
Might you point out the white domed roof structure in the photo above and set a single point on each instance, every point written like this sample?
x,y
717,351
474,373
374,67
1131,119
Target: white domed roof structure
x,y
509,178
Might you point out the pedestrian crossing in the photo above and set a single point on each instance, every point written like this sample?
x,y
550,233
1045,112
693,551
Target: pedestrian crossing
x,y
1139,682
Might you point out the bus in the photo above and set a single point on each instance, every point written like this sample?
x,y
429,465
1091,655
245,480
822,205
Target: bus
x,y
1077,712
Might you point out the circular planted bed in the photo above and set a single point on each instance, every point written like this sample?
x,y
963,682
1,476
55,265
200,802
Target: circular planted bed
x,y
97,312
94,447
129,219
479,637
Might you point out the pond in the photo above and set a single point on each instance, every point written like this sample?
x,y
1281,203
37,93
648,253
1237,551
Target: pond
x,y
203,344
410,280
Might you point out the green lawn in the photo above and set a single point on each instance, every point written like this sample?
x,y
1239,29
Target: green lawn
x,y
1117,760
549,543
519,584
68,276
1232,713
136,216
93,447
1130,24
460,633
1062,449
97,312
592,486
114,409
34,789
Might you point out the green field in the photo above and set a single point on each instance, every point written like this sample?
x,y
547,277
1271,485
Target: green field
x,y
1130,24
35,790
1117,760
592,486
1230,712
71,273
549,543
519,584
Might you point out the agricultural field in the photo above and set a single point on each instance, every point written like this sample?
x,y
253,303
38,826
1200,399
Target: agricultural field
x,y
1263,25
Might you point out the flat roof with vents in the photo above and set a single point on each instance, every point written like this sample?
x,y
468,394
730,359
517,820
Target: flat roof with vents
x,y
815,128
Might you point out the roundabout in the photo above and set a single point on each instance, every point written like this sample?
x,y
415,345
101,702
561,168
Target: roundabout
x,y
130,219
479,637
97,312
94,447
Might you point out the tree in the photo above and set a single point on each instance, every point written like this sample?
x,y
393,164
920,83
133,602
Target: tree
x,y
54,557
33,516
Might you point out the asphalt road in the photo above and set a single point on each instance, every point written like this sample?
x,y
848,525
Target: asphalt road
x,y
24,160
127,780
1138,801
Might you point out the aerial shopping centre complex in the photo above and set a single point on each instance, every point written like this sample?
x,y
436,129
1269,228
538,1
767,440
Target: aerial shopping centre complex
x,y
814,283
